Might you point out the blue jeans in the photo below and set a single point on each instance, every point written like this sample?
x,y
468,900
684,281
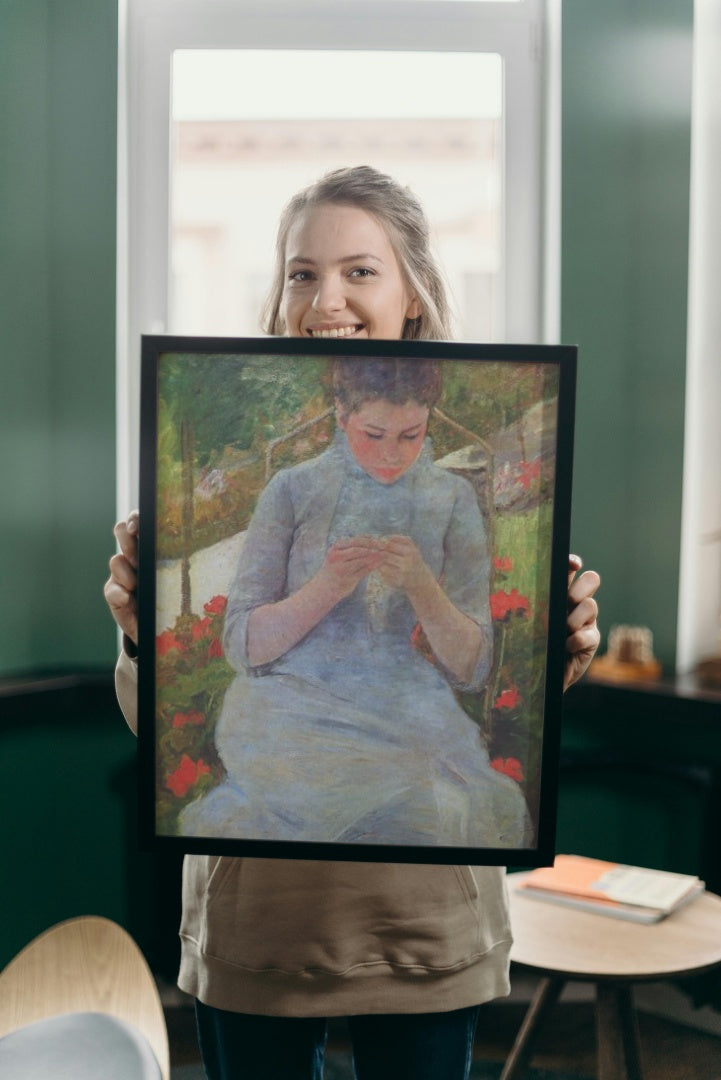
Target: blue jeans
x,y
416,1046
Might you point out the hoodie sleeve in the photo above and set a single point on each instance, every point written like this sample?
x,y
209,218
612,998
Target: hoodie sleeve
x,y
126,688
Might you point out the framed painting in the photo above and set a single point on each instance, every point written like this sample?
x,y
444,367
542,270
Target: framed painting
x,y
352,597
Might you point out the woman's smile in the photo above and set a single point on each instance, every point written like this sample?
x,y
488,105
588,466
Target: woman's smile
x,y
335,331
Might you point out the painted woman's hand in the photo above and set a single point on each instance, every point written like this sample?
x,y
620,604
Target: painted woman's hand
x,y
402,565
348,561
583,635
121,587
276,627
455,639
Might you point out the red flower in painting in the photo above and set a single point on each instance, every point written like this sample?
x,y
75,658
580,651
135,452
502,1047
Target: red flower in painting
x,y
528,471
215,649
216,606
509,766
419,641
508,699
504,604
181,719
499,604
201,629
503,564
186,775
166,641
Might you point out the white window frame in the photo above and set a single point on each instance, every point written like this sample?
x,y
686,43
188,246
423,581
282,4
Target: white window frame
x,y
699,599
526,34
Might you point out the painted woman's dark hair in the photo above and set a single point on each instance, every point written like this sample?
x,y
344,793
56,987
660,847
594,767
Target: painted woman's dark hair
x,y
357,380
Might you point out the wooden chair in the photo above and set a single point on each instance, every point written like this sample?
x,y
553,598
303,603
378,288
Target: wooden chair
x,y
82,984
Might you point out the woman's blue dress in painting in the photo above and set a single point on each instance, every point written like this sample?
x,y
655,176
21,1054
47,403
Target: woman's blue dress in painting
x,y
353,736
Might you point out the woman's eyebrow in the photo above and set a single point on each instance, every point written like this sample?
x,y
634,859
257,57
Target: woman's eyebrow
x,y
363,256
405,431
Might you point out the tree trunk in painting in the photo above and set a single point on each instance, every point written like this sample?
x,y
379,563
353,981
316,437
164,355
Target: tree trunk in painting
x,y
187,458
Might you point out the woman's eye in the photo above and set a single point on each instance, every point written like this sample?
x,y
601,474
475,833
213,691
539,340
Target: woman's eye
x,y
362,272
300,276
372,435
411,438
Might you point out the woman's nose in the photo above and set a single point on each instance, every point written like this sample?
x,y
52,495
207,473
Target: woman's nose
x,y
329,295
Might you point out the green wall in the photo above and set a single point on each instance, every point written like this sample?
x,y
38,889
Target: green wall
x,y
626,145
58,72
68,759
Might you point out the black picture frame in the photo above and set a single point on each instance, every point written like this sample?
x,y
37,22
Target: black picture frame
x,y
295,756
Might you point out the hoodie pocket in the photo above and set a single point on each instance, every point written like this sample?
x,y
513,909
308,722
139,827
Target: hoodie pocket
x,y
295,916
468,884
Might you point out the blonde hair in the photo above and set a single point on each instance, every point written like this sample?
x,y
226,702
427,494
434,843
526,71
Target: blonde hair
x,y
402,216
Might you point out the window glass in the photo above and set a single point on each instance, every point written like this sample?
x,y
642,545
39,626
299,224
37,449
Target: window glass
x,y
251,127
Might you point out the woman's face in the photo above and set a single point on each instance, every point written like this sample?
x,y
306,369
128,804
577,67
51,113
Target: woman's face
x,y
342,277
385,439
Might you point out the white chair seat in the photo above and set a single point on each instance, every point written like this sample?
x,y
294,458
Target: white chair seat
x,y
78,1046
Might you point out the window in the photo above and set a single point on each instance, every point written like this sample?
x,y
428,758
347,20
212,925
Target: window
x,y
235,161
227,107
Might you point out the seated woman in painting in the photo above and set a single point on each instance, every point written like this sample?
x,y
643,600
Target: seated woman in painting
x,y
336,727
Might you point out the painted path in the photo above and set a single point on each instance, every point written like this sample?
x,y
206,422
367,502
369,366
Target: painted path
x,y
211,572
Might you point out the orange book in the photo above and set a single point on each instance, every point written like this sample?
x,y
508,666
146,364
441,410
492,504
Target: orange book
x,y
632,892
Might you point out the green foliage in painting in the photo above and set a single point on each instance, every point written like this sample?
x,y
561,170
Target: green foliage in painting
x,y
226,412
488,397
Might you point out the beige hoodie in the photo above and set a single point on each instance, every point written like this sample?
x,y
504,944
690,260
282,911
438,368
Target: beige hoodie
x,y
283,937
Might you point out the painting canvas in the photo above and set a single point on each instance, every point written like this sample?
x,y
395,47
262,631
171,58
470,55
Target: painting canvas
x,y
352,597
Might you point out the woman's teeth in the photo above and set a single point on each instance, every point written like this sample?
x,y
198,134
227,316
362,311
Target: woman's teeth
x,y
337,331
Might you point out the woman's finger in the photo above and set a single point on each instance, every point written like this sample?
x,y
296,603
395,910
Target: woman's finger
x,y
126,534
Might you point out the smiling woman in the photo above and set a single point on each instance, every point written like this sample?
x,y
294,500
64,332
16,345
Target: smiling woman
x,y
353,259
339,261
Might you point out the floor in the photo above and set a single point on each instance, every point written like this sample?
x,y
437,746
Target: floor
x,y
669,1050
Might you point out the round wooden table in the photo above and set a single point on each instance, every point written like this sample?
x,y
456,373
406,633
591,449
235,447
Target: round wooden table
x,y
562,944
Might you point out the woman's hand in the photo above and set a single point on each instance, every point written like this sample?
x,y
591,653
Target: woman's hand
x,y
348,561
402,564
121,587
583,635
456,640
275,628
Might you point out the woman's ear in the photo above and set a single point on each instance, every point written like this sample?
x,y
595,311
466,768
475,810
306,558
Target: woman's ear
x,y
415,309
